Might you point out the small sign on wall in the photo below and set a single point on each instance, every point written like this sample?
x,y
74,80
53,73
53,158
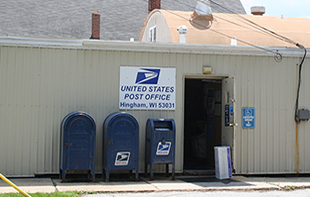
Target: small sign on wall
x,y
248,117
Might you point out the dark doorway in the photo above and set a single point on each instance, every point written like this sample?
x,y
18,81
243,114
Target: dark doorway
x,y
202,122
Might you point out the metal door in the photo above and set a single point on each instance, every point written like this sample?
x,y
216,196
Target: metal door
x,y
228,119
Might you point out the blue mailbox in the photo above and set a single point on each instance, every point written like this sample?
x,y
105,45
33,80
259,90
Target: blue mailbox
x,y
120,143
77,145
160,144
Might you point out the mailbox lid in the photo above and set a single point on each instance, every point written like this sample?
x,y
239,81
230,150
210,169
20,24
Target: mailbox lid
x,y
161,125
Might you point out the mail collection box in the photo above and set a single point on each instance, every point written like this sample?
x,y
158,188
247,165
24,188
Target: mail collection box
x,y
77,145
160,144
120,143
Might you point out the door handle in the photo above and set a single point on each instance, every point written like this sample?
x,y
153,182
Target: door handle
x,y
233,124
66,144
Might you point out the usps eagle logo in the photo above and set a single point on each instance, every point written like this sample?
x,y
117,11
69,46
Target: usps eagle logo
x,y
163,149
122,158
147,76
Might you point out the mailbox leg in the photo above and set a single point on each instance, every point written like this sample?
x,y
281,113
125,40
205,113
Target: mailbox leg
x,y
145,169
93,175
173,172
151,172
107,176
137,175
167,170
103,173
60,173
63,176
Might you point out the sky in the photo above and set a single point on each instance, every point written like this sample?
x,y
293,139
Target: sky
x,y
287,8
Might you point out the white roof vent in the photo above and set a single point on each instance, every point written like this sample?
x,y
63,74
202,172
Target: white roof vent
x,y
182,31
258,10
233,41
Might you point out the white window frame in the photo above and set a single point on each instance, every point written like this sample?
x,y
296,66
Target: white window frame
x,y
152,34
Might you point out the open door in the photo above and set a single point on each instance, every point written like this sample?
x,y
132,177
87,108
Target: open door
x,y
228,118
202,123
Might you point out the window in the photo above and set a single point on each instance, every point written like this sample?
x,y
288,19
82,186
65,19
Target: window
x,y
152,34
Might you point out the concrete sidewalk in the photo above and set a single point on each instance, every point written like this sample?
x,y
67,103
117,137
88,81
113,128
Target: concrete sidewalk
x,y
182,183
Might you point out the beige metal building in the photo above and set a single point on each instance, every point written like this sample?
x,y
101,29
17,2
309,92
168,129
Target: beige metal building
x,y
42,80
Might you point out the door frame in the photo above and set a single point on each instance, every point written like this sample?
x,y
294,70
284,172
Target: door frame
x,y
233,129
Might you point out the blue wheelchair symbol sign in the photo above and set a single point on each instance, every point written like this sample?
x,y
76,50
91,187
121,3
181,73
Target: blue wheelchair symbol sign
x,y
248,117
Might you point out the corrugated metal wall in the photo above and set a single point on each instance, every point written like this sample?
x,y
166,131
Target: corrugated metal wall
x,y
41,85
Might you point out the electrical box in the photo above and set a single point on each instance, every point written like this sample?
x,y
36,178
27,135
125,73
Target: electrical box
x,y
120,143
160,144
77,145
303,114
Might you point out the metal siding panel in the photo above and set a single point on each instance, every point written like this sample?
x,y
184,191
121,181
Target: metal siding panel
x,y
243,99
4,140
257,103
289,120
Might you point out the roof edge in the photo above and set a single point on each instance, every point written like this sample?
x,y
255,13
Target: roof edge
x,y
148,47
146,20
40,41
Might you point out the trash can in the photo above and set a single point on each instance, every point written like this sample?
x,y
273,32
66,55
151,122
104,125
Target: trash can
x,y
77,145
160,144
222,162
120,143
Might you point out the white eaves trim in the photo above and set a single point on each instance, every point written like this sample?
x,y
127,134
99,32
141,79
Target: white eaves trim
x,y
147,47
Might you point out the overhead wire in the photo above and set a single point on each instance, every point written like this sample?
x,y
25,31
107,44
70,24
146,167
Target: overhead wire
x,y
277,55
283,38
245,21
269,32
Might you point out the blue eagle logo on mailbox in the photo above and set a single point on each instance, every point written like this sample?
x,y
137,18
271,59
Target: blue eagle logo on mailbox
x,y
163,149
122,158
147,76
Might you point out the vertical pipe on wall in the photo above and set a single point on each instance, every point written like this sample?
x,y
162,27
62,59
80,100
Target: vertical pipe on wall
x,y
297,159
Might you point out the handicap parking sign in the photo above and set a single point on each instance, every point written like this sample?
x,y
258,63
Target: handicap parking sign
x,y
248,117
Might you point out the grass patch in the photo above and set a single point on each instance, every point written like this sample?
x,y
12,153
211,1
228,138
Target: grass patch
x,y
54,194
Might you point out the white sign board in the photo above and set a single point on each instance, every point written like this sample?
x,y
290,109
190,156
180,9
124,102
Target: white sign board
x,y
147,88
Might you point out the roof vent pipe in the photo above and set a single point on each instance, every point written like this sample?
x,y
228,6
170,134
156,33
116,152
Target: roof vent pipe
x,y
154,4
258,10
233,41
95,33
182,31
